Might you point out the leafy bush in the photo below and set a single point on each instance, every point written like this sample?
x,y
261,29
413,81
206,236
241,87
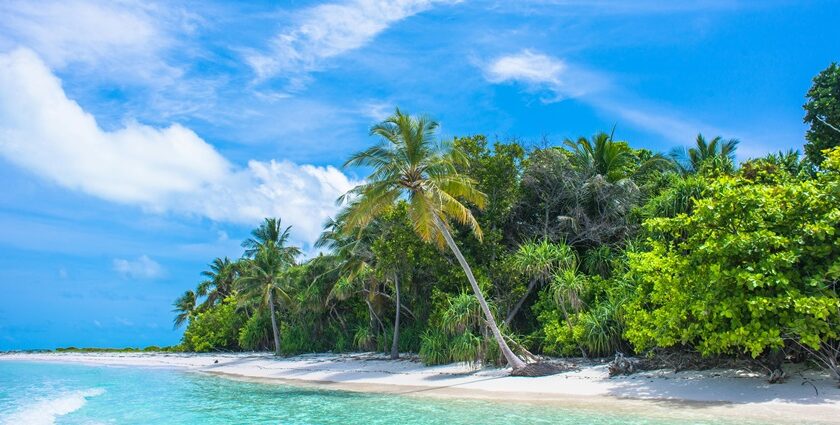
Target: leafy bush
x,y
752,266
216,328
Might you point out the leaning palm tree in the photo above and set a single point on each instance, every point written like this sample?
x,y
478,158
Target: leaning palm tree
x,y
185,307
715,155
219,283
263,281
408,164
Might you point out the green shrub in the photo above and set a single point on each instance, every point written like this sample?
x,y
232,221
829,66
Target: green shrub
x,y
215,329
434,347
255,334
751,267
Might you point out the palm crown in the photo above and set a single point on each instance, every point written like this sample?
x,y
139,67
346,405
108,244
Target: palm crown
x,y
409,164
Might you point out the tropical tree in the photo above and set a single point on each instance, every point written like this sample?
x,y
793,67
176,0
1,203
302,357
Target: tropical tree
x,y
219,283
263,276
539,261
822,113
263,281
270,230
353,258
566,288
185,307
614,160
563,203
408,164
715,156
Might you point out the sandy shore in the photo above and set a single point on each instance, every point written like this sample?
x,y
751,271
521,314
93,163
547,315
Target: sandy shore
x,y
806,397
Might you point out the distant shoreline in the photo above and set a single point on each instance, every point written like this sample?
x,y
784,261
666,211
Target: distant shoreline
x,y
705,395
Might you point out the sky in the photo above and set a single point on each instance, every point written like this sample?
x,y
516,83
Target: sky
x,y
141,139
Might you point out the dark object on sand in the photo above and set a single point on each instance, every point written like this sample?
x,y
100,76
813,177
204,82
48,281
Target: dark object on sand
x,y
539,369
623,365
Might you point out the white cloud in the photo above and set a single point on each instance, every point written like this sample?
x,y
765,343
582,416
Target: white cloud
x,y
141,268
84,31
51,135
328,30
539,71
168,169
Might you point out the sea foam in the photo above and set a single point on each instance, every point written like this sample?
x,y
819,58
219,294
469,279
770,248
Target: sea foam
x,y
45,411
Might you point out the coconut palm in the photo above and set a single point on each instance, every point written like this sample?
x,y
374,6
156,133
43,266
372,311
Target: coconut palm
x,y
408,164
361,271
716,155
270,231
614,160
355,261
263,281
539,261
219,283
263,274
185,307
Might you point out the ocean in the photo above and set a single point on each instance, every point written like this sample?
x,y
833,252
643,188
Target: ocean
x,y
35,393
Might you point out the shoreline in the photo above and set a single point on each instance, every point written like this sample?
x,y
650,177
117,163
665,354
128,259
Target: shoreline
x,y
807,396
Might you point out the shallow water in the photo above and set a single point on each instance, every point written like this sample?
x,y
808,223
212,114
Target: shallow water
x,y
47,393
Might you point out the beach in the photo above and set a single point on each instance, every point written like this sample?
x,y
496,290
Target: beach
x,y
805,397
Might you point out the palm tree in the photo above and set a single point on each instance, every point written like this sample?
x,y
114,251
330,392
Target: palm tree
x,y
219,283
262,277
263,281
408,164
354,261
539,261
185,307
360,271
614,160
717,155
270,231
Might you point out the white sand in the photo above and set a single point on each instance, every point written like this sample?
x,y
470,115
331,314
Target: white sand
x,y
806,397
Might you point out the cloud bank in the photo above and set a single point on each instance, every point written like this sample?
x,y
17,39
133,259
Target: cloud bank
x,y
158,169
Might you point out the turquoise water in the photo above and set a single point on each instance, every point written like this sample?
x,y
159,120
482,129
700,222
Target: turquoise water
x,y
47,393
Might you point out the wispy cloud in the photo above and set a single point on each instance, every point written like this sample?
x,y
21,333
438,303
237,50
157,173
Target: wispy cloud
x,y
328,30
159,169
124,36
542,72
624,7
656,119
142,267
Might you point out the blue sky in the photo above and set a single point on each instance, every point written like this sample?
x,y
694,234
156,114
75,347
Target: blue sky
x,y
139,140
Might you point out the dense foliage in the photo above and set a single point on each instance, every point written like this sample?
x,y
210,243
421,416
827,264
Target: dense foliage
x,y
494,252
822,113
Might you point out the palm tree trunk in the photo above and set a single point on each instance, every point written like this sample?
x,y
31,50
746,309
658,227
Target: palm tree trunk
x,y
395,345
274,324
519,303
514,361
